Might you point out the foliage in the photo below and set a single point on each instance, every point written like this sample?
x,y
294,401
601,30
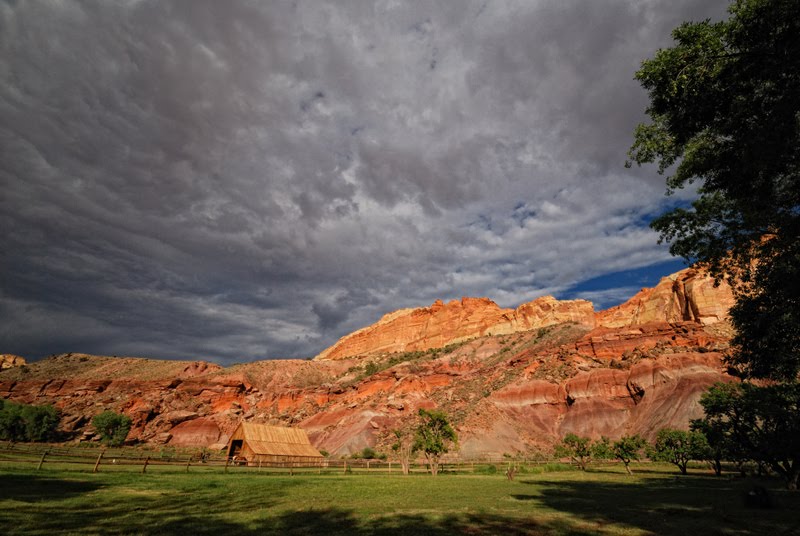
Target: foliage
x,y
112,427
404,448
602,449
724,108
577,448
368,453
628,449
679,447
756,422
23,422
371,368
433,437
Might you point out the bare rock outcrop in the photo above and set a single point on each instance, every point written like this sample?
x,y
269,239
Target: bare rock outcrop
x,y
690,295
508,387
442,324
10,360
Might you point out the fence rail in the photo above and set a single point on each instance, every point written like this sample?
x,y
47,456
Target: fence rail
x,y
127,459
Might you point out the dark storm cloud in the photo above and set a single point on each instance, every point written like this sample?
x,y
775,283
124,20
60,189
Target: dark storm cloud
x,y
240,180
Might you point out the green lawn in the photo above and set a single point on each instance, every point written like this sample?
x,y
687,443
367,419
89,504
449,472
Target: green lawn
x,y
602,501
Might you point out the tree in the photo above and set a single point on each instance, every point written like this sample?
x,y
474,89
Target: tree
x,y
23,422
602,449
12,426
724,108
40,422
579,449
112,427
627,449
721,443
679,447
433,437
759,423
404,448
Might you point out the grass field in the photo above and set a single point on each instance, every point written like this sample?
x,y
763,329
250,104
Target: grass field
x,y
602,501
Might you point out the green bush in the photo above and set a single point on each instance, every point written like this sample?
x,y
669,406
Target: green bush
x,y
23,422
112,427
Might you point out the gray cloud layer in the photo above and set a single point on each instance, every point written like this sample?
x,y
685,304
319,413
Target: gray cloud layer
x,y
241,180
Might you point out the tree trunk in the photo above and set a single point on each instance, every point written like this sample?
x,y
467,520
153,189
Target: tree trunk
x,y
717,467
628,469
405,465
434,468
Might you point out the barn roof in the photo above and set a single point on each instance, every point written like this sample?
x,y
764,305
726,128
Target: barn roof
x,y
276,440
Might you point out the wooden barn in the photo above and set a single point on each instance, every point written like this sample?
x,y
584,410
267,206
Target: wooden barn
x,y
257,444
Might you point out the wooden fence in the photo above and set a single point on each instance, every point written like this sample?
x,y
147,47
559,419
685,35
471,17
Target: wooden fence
x,y
44,456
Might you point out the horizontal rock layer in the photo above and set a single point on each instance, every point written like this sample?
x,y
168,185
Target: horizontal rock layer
x,y
520,379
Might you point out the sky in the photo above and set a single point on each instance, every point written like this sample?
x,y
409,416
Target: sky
x,y
234,181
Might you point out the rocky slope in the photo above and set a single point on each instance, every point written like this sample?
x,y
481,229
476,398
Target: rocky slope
x,y
688,295
511,380
10,360
443,324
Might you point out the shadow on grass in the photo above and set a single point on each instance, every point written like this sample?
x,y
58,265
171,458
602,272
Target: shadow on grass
x,y
27,488
345,522
127,504
34,505
685,504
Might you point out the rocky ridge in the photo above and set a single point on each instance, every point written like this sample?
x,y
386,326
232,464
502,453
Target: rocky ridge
x,y
10,360
511,380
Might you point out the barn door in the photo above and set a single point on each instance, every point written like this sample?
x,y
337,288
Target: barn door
x,y
236,448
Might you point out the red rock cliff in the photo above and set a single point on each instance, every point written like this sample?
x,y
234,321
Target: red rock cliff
x,y
442,324
688,295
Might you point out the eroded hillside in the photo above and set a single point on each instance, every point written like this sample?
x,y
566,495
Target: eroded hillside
x,y
633,369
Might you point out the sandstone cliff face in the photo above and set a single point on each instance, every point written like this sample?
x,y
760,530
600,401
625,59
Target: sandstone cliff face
x,y
688,295
9,360
516,379
443,324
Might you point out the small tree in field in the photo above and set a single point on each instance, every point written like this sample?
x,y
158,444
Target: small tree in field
x,y
112,427
433,437
627,449
404,449
679,447
602,449
579,449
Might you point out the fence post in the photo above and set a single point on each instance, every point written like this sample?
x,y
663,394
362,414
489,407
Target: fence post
x,y
227,461
97,463
144,467
187,465
44,455
344,465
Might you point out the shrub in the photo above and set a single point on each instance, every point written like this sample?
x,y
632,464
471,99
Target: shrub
x,y
679,447
23,422
112,427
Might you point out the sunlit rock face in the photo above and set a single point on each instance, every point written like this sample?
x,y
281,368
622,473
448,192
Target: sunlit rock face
x,y
442,324
688,295
512,380
10,360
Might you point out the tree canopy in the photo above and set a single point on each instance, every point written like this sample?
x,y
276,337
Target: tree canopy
x,y
578,448
679,447
433,436
755,422
628,449
725,113
23,422
112,427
